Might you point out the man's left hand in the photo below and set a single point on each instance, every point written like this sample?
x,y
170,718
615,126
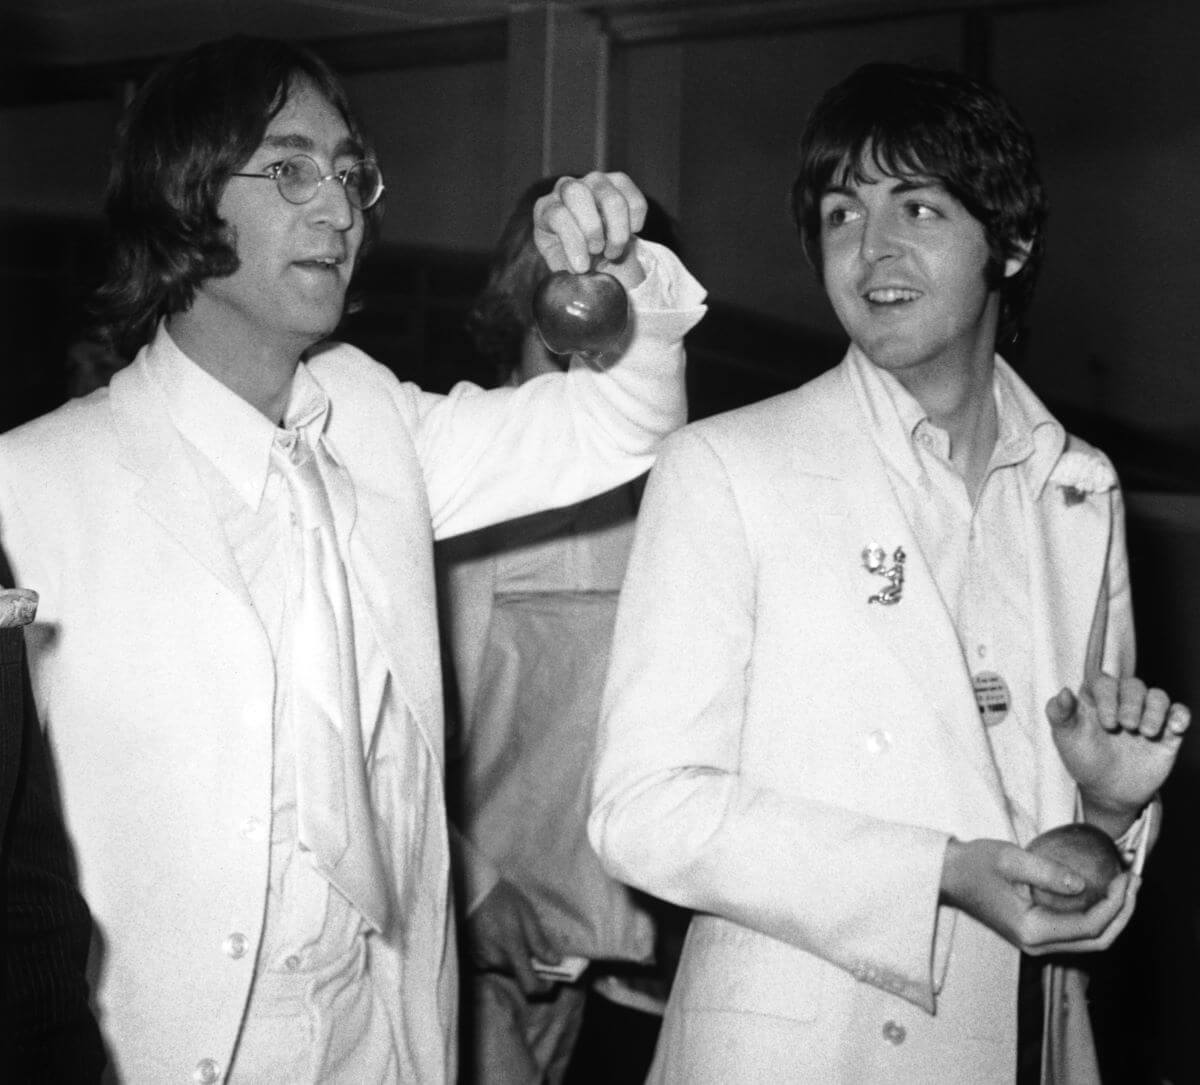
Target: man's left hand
x,y
1119,741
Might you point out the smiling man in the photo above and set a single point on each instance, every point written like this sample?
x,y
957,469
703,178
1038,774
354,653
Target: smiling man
x,y
875,636
236,653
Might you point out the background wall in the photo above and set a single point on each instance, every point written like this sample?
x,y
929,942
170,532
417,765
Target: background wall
x,y
1110,90
54,158
440,138
1112,95
1114,98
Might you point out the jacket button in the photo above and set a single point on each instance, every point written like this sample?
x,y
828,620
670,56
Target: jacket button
x,y
252,829
894,1034
235,945
879,741
207,1071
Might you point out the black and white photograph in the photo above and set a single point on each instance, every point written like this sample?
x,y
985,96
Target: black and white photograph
x,y
599,542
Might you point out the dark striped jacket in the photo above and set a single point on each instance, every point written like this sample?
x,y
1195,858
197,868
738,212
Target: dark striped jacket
x,y
47,1031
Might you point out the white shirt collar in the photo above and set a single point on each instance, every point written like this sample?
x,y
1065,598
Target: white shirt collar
x,y
231,434
1027,432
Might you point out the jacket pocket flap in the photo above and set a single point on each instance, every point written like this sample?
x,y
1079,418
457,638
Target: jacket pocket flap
x,y
726,967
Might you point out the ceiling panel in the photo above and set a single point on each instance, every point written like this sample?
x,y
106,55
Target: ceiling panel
x,y
41,35
80,32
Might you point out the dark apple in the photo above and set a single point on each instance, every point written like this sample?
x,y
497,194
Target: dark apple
x,y
1089,852
580,313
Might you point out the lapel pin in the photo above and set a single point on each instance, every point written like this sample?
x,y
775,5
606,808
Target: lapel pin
x,y
875,560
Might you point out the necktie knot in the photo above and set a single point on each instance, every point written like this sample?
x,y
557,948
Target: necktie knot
x,y
297,462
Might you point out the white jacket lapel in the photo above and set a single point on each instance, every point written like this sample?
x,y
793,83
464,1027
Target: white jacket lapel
x,y
384,529
389,561
917,629
171,493
1067,541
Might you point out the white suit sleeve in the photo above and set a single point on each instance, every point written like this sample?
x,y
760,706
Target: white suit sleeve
x,y
489,456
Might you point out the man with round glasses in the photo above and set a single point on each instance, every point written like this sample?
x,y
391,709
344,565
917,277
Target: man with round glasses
x,y
299,178
235,657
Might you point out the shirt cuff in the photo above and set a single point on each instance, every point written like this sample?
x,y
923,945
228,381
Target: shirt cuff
x,y
669,300
1134,843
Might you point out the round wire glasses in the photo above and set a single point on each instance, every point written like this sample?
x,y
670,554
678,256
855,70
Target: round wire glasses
x,y
299,177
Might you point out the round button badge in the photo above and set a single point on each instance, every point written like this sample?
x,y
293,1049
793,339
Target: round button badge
x,y
992,697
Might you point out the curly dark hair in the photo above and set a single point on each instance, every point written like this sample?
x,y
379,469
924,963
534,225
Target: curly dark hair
x,y
906,121
194,122
503,309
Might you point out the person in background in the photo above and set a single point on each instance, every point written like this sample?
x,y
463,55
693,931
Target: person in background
x,y
875,637
236,653
90,365
48,1034
527,614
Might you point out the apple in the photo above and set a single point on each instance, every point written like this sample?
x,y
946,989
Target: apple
x,y
580,313
1089,852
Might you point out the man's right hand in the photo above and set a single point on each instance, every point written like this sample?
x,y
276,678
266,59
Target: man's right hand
x,y
589,219
990,880
504,934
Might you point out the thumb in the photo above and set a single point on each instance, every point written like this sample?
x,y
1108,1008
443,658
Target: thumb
x,y
1060,709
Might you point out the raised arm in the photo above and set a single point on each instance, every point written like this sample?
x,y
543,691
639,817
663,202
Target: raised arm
x,y
556,439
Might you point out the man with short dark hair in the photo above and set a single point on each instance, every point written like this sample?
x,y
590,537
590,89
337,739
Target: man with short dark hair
x,y
875,637
236,655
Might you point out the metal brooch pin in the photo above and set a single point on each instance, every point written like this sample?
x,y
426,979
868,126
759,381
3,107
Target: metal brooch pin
x,y
875,560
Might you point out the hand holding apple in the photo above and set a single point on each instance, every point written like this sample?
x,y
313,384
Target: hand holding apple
x,y
589,222
992,880
1088,851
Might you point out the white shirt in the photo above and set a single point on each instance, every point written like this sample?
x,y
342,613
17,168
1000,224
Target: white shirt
x,y
973,550
311,933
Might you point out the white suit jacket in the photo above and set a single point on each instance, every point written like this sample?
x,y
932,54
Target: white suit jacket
x,y
788,760
154,676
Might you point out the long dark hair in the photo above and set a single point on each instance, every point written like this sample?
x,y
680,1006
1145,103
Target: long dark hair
x,y
503,310
194,122
906,121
